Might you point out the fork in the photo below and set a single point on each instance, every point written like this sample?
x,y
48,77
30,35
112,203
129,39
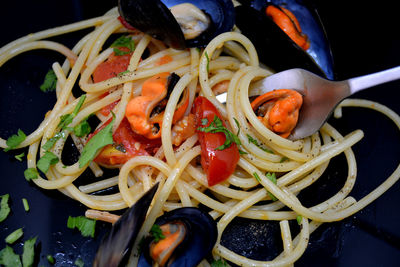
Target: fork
x,y
320,96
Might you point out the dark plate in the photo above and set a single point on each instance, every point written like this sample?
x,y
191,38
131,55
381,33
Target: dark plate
x,y
361,44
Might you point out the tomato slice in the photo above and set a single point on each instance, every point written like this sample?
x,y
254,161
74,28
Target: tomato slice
x,y
128,143
218,164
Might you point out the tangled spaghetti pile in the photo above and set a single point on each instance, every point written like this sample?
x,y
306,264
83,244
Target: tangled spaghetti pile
x,y
230,56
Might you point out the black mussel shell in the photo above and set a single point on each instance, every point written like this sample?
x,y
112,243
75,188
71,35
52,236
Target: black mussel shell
x,y
116,245
311,25
154,18
198,243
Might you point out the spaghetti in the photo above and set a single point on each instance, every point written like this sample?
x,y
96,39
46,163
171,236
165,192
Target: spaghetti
x,y
230,56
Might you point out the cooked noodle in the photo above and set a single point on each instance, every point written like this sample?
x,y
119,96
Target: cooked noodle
x,y
182,181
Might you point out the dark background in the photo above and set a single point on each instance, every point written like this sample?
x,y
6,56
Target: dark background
x,y
364,39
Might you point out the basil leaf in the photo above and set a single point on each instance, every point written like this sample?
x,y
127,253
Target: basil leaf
x,y
85,225
50,82
82,129
28,255
97,142
4,208
46,161
31,173
8,258
14,140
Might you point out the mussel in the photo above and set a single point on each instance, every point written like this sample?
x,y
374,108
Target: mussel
x,y
275,48
205,18
193,231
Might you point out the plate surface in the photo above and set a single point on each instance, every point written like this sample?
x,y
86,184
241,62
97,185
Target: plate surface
x,y
360,43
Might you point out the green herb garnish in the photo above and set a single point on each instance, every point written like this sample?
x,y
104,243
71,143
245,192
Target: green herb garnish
x,y
66,119
85,225
82,128
79,262
257,177
50,259
28,255
50,82
14,236
51,142
14,140
48,159
123,41
31,173
123,73
254,141
4,208
208,61
26,204
8,258
299,218
219,263
270,177
19,156
283,159
97,142
216,126
156,232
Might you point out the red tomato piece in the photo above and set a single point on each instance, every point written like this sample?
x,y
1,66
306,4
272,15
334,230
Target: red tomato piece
x,y
218,164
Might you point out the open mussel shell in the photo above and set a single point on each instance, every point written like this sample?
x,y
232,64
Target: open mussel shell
x,y
275,48
154,18
117,244
199,240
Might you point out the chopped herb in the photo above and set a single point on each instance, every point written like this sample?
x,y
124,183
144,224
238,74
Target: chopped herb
x,y
50,82
14,236
283,159
208,61
219,263
238,125
14,140
216,126
50,259
48,159
123,73
28,255
257,177
85,225
66,119
299,218
4,208
156,232
31,173
97,142
8,258
51,142
273,198
26,204
79,262
271,177
19,156
123,41
82,128
241,152
254,141
198,49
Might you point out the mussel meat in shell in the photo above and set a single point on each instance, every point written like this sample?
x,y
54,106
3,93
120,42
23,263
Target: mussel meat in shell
x,y
172,20
190,235
116,245
275,48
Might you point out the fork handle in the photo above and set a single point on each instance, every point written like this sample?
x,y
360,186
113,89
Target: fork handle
x,y
370,80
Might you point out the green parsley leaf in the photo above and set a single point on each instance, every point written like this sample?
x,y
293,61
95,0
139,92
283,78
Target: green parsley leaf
x,y
28,255
50,259
48,159
238,125
254,141
31,173
8,258
208,61
273,198
66,119
283,159
50,82
257,177
271,177
85,225
216,126
123,73
123,41
82,128
14,140
241,152
156,232
51,142
97,142
299,218
26,204
4,208
19,156
219,263
79,262
14,236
